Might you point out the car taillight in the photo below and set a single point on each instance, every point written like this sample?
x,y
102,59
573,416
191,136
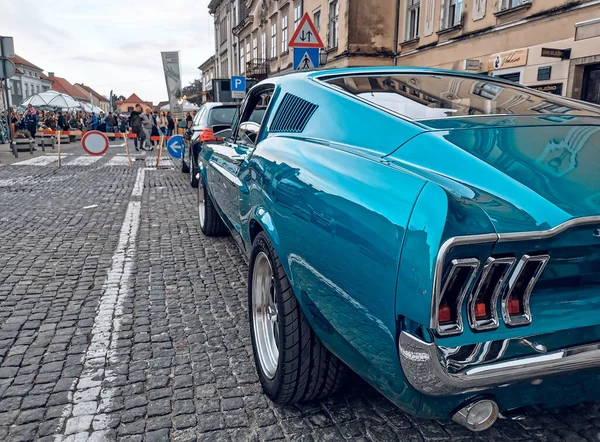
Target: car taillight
x,y
207,135
515,301
483,301
457,283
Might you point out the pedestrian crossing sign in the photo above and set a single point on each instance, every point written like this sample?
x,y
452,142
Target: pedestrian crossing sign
x,y
306,59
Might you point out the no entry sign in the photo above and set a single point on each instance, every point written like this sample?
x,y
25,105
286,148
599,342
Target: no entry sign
x,y
95,142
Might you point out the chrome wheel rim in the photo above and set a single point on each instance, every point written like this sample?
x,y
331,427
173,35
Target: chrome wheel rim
x,y
201,204
265,315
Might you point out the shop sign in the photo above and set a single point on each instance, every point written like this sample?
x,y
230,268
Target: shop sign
x,y
506,60
555,88
563,54
472,65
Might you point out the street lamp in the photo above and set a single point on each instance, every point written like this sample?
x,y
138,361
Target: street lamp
x,y
323,55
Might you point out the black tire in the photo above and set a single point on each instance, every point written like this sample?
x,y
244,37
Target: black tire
x,y
306,370
213,225
193,169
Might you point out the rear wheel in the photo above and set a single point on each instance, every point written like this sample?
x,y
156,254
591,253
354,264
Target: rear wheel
x,y
211,223
292,363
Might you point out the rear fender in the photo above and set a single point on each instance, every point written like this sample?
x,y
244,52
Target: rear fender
x,y
437,216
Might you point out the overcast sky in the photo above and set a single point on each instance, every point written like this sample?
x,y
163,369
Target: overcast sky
x,y
111,44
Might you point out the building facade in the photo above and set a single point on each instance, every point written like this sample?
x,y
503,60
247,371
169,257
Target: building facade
x,y
128,105
252,36
27,81
550,45
207,74
225,15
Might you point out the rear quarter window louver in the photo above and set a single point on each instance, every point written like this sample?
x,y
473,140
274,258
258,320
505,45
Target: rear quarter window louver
x,y
293,114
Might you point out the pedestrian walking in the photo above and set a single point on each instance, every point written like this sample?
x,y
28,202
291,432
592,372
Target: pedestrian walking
x,y
110,122
31,121
147,126
162,123
170,124
135,122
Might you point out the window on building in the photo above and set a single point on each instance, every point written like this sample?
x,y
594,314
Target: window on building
x,y
284,32
26,90
248,50
223,31
297,14
225,68
242,58
263,45
255,47
129,108
334,12
413,13
273,40
509,4
451,13
317,20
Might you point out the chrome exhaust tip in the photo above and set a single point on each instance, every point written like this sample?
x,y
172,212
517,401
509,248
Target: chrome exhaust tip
x,y
477,416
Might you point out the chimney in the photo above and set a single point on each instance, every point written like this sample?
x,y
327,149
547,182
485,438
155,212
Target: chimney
x,y
50,74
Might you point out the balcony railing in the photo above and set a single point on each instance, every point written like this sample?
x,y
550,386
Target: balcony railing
x,y
258,68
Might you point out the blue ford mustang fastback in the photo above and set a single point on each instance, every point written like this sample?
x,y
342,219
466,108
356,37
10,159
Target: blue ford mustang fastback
x,y
436,232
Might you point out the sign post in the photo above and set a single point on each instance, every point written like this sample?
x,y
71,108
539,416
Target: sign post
x,y
306,44
7,49
127,148
58,139
238,87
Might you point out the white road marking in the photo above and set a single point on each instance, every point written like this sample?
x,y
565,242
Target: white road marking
x,y
84,160
118,160
45,160
138,187
165,161
90,401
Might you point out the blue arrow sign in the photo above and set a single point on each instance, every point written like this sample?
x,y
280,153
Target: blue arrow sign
x,y
176,146
306,58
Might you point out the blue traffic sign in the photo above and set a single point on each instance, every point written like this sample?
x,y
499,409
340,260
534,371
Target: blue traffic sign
x,y
306,58
176,146
238,87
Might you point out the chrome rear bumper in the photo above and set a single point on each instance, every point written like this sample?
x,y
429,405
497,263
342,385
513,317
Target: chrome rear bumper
x,y
426,367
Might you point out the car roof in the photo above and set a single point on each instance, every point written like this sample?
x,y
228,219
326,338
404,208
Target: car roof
x,y
214,104
379,70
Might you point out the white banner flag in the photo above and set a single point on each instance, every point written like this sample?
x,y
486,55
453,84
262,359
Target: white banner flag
x,y
173,79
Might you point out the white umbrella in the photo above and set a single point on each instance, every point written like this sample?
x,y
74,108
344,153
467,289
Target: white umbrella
x,y
89,107
187,107
52,99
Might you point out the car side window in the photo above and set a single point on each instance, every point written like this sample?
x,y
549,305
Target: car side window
x,y
248,128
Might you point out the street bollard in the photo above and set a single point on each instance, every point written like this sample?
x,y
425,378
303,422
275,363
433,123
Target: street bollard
x,y
30,146
14,149
53,142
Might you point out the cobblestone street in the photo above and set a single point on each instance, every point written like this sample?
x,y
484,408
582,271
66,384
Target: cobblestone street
x,y
121,321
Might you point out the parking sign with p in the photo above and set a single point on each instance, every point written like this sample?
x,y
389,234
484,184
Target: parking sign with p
x,y
238,87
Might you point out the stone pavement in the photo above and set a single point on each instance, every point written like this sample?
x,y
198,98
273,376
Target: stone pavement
x,y
121,321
